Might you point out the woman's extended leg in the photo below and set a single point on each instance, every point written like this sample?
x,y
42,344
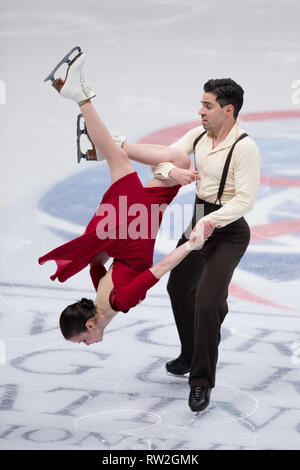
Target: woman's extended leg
x,y
149,154
117,159
75,88
153,154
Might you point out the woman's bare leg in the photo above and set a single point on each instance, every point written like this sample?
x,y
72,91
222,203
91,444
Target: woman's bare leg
x,y
117,159
152,154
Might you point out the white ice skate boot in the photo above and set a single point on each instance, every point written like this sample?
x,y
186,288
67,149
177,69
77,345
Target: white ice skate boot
x,y
93,153
73,86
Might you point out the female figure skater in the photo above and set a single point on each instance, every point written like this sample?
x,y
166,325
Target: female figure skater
x,y
131,273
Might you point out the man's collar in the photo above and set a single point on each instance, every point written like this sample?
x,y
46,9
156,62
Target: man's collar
x,y
229,139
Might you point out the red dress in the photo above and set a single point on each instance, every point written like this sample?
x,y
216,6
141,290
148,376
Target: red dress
x,y
126,209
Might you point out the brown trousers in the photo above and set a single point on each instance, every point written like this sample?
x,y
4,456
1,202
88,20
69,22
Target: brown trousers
x,y
198,289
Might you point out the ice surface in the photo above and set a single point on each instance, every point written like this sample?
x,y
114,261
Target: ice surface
x,y
147,62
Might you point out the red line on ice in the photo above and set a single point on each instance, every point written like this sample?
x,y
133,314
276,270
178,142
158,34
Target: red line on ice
x,y
274,229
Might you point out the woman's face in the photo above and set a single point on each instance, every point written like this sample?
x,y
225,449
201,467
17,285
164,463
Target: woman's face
x,y
92,334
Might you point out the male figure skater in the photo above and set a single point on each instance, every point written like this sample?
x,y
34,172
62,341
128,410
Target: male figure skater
x,y
228,162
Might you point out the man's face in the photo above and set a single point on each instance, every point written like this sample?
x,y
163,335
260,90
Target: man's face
x,y
93,334
213,116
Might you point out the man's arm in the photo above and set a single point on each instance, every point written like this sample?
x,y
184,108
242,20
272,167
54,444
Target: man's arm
x,y
167,170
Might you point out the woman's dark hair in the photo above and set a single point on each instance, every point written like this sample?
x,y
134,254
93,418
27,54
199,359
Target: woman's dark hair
x,y
74,317
227,92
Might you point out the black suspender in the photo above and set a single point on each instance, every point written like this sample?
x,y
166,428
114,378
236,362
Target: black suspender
x,y
197,140
225,169
226,166
194,146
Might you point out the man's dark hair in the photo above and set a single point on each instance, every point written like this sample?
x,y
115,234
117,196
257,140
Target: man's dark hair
x,y
227,92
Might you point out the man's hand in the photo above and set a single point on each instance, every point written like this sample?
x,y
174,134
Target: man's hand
x,y
182,176
200,233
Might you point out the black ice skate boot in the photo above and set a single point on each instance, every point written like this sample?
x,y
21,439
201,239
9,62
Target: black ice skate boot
x,y
199,398
177,367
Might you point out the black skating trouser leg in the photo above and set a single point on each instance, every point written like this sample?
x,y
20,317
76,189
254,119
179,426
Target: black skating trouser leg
x,y
198,289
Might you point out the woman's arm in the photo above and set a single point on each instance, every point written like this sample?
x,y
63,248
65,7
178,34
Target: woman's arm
x,y
97,269
197,239
171,260
126,297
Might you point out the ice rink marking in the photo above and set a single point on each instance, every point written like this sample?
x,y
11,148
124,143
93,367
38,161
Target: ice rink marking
x,y
129,432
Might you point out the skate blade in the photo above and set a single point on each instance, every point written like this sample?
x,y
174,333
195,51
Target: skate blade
x,y
65,60
80,131
90,154
180,376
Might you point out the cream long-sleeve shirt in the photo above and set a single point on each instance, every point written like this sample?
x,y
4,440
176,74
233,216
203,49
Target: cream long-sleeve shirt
x,y
243,177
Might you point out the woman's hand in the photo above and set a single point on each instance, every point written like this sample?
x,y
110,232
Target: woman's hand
x,y
200,233
182,176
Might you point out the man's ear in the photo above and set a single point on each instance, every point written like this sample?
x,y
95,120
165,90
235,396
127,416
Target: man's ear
x,y
230,109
